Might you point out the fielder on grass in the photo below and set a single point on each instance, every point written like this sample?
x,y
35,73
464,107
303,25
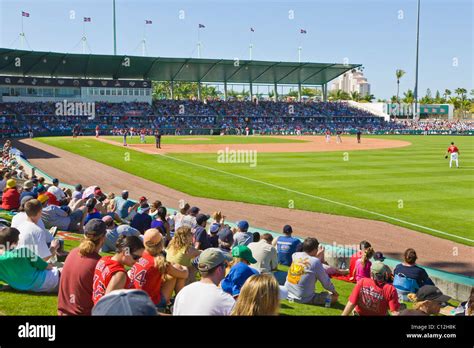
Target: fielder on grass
x,y
453,152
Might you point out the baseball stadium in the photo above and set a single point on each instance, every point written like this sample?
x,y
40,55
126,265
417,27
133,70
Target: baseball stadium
x,y
138,176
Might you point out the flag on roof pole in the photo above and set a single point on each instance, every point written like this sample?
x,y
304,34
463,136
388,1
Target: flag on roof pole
x,y
202,26
25,14
252,30
303,31
148,21
87,19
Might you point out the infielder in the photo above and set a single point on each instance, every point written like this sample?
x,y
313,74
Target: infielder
x,y
454,154
338,137
124,134
328,136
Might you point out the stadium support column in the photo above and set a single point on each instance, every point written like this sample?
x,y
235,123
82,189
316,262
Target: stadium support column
x,y
199,90
325,92
251,91
225,90
275,90
172,90
299,91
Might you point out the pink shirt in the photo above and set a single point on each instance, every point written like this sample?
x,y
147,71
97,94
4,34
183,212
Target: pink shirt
x,y
362,271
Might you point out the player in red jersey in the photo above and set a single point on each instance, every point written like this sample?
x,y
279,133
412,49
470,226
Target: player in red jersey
x,y
153,274
97,131
110,273
453,152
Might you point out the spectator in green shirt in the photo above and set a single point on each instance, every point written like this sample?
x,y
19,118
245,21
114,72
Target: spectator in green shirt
x,y
21,268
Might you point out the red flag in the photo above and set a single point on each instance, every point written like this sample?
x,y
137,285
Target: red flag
x,y
87,19
25,14
147,21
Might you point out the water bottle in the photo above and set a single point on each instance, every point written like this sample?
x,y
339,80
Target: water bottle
x,y
327,301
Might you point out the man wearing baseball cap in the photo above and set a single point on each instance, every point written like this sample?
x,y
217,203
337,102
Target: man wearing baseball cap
x,y
240,271
78,271
428,300
242,236
200,234
286,246
374,295
205,297
27,190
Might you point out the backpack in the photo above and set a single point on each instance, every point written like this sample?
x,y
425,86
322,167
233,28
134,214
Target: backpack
x,y
404,286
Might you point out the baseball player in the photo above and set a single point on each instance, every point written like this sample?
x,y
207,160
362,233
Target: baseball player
x,y
97,131
453,151
124,134
338,137
328,136
158,139
359,133
142,136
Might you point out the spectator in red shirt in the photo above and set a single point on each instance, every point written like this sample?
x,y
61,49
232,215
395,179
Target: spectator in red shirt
x,y
11,196
110,273
153,274
374,296
75,286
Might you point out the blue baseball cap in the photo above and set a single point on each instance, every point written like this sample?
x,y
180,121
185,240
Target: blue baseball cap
x,y
214,228
243,225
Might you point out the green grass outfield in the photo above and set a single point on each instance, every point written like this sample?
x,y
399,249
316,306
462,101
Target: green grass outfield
x,y
206,139
412,184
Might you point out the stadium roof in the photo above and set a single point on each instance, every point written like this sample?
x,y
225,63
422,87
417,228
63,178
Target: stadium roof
x,y
51,64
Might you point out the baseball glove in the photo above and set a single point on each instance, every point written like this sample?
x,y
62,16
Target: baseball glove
x,y
446,157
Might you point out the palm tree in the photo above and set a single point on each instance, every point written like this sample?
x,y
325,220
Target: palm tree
x,y
461,92
446,94
394,99
369,98
399,74
409,97
355,96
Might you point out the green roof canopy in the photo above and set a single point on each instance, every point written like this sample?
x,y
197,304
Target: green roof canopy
x,y
51,64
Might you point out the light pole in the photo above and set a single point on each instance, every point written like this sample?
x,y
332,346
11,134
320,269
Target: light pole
x,y
115,34
415,111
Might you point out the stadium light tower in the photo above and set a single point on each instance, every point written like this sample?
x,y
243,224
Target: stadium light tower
x,y
415,109
115,33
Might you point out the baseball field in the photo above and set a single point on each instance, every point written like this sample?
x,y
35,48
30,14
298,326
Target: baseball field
x,y
410,185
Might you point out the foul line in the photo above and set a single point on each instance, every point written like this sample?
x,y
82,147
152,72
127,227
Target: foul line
x,y
320,198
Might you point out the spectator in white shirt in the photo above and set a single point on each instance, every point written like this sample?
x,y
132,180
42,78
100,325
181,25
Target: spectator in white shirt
x,y
205,297
34,237
265,253
56,190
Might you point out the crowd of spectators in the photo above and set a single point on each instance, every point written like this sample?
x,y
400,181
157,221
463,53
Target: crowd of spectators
x,y
226,117
182,263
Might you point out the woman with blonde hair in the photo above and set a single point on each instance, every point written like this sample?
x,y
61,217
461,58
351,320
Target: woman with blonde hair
x,y
181,251
260,295
362,266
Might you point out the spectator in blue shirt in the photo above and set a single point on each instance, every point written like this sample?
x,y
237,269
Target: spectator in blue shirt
x,y
201,238
240,271
142,221
123,206
286,246
411,270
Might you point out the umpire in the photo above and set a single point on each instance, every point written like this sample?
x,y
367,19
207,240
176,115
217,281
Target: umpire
x,y
158,139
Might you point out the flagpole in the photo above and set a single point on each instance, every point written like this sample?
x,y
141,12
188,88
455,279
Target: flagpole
x,y
22,34
83,36
299,54
199,42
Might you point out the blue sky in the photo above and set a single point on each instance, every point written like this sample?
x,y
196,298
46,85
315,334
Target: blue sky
x,y
380,34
